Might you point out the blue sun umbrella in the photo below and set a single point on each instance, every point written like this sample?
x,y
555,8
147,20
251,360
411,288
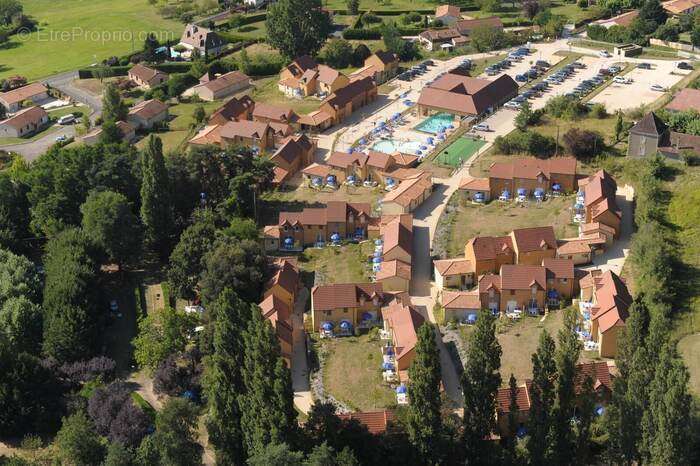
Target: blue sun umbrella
x,y
378,253
423,147
316,181
522,191
345,325
599,410
367,316
430,140
351,179
471,318
331,179
552,294
378,242
376,260
450,126
387,366
587,315
441,136
521,432
289,241
578,206
539,193
335,237
389,181
505,194
556,187
418,152
389,351
401,389
362,141
327,326
479,196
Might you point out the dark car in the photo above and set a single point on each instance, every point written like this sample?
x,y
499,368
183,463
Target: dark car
x,y
521,78
542,64
644,66
684,65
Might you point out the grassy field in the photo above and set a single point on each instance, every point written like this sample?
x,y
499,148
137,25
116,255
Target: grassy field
x,y
80,32
353,375
519,340
344,264
496,219
689,347
265,90
458,151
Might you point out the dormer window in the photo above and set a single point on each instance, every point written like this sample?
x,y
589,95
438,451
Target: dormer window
x,y
285,228
362,300
297,228
534,289
350,217
540,179
375,301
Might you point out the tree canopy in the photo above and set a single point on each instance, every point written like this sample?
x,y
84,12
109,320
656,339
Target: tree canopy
x,y
297,27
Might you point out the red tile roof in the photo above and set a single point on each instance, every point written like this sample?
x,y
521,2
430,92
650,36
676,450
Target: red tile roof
x,y
225,81
344,160
274,113
397,235
234,108
148,109
531,168
612,301
523,277
686,99
559,268
461,300
23,93
340,295
475,184
31,115
394,268
522,398
404,322
450,267
466,95
488,247
375,421
466,26
534,239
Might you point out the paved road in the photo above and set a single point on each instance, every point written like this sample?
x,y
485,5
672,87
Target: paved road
x,y
65,83
31,150
300,369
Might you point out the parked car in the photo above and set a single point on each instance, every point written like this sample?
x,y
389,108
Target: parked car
x,y
658,88
428,63
622,80
521,78
61,138
604,54
481,127
513,105
644,66
684,65
113,305
578,64
542,64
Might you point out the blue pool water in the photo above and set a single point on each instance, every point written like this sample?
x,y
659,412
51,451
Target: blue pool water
x,y
389,146
432,124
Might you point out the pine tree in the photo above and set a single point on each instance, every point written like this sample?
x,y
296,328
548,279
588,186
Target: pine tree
x,y
667,419
541,398
480,382
113,108
223,383
568,352
513,410
619,126
424,423
156,210
267,407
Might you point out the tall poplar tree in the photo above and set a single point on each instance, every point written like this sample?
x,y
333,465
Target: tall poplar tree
x,y
568,352
585,419
480,382
223,382
424,422
156,209
541,398
113,108
267,407
512,413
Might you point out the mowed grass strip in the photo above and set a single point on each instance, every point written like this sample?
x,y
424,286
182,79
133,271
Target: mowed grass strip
x,y
352,373
76,33
500,218
460,150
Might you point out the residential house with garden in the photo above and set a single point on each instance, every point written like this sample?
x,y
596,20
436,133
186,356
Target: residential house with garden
x,y
396,243
294,154
376,422
454,273
335,222
447,14
24,123
253,134
401,322
409,194
221,86
235,109
197,40
460,306
147,114
651,135
599,193
340,308
14,100
605,308
127,131
146,77
381,66
346,100
523,176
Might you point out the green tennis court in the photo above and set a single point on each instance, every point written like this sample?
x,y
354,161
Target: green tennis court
x,y
458,151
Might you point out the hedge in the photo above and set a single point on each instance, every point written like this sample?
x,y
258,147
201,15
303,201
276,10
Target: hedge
x,y
361,34
388,12
244,20
179,67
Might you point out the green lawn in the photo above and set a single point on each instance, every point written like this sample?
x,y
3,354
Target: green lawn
x,y
47,130
353,375
383,5
460,150
266,91
495,219
77,33
253,30
344,264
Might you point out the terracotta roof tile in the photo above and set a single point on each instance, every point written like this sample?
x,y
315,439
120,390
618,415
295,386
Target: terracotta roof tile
x,y
394,268
375,421
560,268
450,267
23,93
475,184
523,277
461,300
404,322
488,247
340,295
534,239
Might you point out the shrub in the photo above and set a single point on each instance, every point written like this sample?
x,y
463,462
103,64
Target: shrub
x,y
598,111
370,18
525,142
583,143
338,53
361,34
565,107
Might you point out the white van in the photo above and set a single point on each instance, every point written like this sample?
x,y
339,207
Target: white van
x,y
67,119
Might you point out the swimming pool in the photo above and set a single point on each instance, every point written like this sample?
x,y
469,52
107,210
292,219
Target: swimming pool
x,y
432,124
389,146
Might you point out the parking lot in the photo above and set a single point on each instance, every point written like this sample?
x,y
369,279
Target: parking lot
x,y
520,67
665,73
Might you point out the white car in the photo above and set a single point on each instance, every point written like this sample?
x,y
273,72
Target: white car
x,y
658,88
481,127
622,80
604,54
